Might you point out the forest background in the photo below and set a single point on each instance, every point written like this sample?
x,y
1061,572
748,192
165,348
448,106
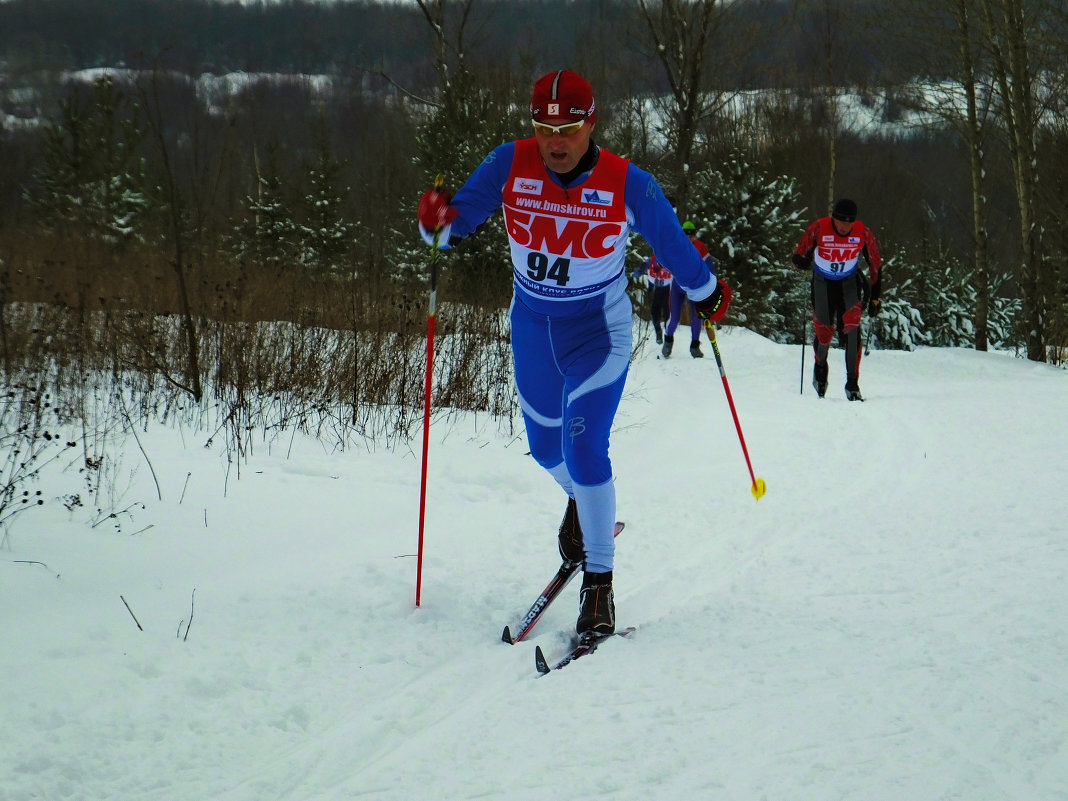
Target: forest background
x,y
208,208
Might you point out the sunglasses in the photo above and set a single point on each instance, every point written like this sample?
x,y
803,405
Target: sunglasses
x,y
565,130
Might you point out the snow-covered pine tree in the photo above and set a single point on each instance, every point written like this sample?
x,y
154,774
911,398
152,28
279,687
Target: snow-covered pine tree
x,y
268,234
1003,314
464,128
950,305
326,236
899,325
748,220
932,302
91,180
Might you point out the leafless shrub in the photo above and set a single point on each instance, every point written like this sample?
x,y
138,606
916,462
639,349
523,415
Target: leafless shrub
x,y
30,439
280,350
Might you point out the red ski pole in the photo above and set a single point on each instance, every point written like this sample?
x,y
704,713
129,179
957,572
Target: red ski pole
x,y
759,487
430,322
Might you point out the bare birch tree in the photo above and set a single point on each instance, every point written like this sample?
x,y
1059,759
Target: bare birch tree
x,y
681,32
963,106
973,138
1008,38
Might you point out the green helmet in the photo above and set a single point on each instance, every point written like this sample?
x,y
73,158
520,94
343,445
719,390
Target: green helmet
x,y
689,226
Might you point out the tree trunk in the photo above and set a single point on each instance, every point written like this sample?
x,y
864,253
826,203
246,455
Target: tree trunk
x,y
192,383
1008,40
680,37
973,139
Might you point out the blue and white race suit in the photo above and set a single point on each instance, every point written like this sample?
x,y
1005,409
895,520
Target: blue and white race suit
x,y
570,314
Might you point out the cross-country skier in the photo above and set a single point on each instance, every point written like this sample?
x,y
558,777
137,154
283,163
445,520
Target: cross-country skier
x,y
659,283
678,299
831,248
569,207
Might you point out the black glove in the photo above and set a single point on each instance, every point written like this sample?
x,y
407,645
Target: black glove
x,y
875,304
799,262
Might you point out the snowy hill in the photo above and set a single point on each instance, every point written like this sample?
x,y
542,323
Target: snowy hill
x,y
887,623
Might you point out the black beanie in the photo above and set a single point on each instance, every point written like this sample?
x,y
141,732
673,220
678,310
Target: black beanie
x,y
845,210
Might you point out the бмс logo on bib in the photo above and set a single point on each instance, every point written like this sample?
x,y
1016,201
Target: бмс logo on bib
x,y
580,239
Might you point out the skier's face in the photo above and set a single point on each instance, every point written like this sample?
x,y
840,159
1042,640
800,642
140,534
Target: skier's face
x,y
562,148
842,227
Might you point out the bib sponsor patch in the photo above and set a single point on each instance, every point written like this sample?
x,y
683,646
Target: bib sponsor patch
x,y
598,197
527,186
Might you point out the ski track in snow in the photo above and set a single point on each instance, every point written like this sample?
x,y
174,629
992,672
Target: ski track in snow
x,y
886,623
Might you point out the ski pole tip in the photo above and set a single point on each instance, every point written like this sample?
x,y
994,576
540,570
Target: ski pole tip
x,y
759,488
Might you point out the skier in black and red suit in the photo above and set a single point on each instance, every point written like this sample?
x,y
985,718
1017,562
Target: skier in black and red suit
x,y
659,278
831,248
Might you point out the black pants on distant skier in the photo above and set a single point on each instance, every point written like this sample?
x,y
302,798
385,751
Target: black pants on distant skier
x,y
658,309
837,308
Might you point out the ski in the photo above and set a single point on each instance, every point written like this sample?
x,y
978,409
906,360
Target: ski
x,y
564,575
585,646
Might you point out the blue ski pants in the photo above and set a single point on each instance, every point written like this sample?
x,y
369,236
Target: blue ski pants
x,y
570,373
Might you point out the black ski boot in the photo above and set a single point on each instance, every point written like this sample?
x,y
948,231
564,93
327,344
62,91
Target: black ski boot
x,y
597,606
570,539
669,342
695,349
819,378
852,390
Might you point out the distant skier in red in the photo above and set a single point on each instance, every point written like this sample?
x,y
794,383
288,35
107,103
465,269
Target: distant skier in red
x,y
831,248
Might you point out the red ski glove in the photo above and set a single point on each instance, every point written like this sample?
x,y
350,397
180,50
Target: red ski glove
x,y
434,210
714,307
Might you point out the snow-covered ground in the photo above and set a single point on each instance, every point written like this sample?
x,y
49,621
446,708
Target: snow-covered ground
x,y
887,623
